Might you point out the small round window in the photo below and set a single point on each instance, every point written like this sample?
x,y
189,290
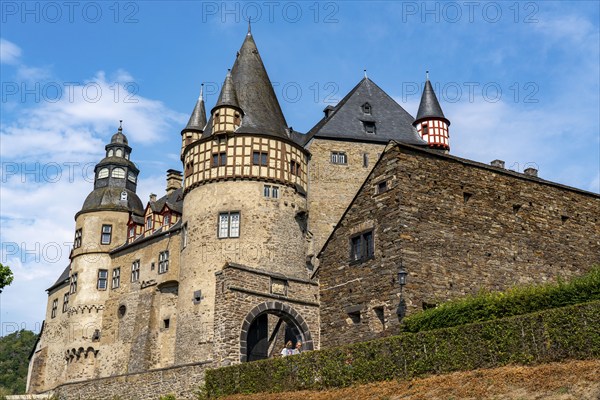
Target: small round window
x,y
122,310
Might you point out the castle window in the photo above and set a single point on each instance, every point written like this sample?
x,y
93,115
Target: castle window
x,y
361,247
271,191
103,173
111,153
77,241
102,279
118,173
382,187
259,158
229,225
219,159
184,239
366,160
54,307
106,234
338,157
163,262
123,196
197,296
366,108
122,310
96,335
166,323
369,127
119,153
131,232
166,220
131,177
116,278
65,302
354,317
135,271
425,129
149,222
73,285
295,167
237,119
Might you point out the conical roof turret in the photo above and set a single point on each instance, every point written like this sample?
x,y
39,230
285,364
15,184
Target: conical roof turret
x,y
228,96
429,106
262,112
197,120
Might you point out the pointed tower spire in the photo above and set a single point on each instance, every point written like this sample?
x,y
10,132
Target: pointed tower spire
x,y
431,123
249,27
365,70
197,120
227,113
228,96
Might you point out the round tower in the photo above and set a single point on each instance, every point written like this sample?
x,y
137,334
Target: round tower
x,y
100,226
430,122
244,206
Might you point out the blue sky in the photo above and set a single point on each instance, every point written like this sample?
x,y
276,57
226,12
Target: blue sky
x,y
518,80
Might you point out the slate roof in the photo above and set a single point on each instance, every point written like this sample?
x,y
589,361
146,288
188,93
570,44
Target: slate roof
x,y
174,200
62,279
109,198
197,120
429,106
255,95
228,96
346,120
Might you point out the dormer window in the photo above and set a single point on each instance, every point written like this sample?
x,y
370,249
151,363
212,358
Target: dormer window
x,y
425,129
119,153
118,173
103,173
149,222
369,127
366,108
166,220
237,120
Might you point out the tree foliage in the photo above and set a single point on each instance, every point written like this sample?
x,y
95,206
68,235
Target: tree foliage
x,y
14,360
6,276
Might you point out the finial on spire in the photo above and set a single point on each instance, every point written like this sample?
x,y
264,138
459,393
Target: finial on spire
x,y
427,75
201,91
249,27
365,70
120,125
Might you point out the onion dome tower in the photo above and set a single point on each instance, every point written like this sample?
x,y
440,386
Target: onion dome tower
x,y
431,123
100,227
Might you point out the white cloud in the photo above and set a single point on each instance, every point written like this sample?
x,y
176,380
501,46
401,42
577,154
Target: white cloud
x,y
9,52
50,145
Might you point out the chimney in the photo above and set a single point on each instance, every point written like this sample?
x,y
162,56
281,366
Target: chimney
x,y
531,172
174,179
152,197
497,164
328,110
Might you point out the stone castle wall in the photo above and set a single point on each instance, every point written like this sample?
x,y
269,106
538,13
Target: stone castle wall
x,y
333,186
457,227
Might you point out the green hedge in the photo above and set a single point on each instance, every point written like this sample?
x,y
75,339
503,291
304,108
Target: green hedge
x,y
552,335
516,301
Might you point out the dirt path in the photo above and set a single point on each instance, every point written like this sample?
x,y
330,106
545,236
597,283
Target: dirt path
x,y
574,380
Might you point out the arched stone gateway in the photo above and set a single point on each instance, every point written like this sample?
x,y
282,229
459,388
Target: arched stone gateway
x,y
258,334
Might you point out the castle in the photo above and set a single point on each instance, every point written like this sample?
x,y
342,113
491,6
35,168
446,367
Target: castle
x,y
269,235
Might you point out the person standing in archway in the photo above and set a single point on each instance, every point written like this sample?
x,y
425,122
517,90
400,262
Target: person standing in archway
x,y
287,350
298,348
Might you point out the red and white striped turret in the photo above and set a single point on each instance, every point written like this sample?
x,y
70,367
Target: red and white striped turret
x,y
431,123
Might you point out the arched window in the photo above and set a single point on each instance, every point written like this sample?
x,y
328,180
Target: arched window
x,y
366,108
110,153
119,153
124,195
118,173
131,177
103,173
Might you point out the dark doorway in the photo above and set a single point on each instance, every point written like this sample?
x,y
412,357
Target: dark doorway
x,y
258,342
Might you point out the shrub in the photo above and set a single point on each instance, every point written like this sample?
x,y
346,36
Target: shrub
x,y
516,301
551,335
